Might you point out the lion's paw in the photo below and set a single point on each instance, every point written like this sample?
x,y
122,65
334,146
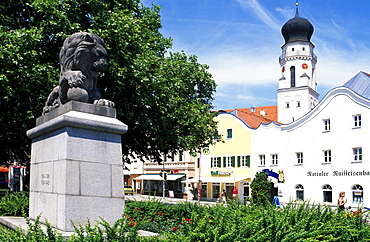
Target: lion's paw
x,y
104,102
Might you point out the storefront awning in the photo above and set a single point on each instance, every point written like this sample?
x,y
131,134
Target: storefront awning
x,y
173,177
156,177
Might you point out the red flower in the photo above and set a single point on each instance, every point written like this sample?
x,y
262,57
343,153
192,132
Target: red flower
x,y
187,220
174,229
132,224
131,218
136,209
159,213
127,216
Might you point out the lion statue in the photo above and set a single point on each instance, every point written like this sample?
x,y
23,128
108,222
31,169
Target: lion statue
x,y
82,58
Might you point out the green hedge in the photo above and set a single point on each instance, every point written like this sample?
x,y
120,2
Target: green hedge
x,y
189,222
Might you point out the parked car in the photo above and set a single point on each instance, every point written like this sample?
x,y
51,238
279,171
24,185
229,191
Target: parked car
x,y
128,190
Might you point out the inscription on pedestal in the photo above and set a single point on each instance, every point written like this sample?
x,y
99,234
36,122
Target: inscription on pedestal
x,y
45,179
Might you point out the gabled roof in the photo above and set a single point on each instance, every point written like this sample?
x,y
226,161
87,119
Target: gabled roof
x,y
254,116
360,84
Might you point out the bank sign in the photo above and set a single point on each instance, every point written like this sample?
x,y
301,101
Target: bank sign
x,y
220,173
338,173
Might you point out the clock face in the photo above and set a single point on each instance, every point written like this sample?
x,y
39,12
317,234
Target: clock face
x,y
304,66
283,69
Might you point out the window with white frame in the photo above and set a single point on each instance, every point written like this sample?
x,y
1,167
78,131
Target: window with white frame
x,y
327,193
327,156
230,161
299,157
357,154
229,133
215,162
357,121
326,124
245,161
274,159
299,192
262,160
357,194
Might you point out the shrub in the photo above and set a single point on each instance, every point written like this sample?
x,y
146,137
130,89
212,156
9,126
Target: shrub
x,y
14,204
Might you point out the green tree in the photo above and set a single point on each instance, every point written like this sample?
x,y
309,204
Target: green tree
x,y
260,189
164,98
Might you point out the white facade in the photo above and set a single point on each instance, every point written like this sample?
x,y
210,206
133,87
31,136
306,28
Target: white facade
x,y
325,152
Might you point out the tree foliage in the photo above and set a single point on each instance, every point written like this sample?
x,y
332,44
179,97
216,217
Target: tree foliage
x,y
164,98
260,189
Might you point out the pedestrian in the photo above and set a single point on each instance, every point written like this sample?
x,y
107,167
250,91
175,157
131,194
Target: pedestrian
x,y
342,200
223,196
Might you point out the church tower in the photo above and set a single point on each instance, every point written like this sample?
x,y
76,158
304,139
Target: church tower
x,y
297,93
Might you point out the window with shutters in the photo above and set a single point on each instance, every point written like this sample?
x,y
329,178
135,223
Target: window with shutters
x,y
215,162
244,161
229,161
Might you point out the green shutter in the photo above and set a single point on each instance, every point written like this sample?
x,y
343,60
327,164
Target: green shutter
x,y
218,161
238,160
248,161
233,161
212,161
224,161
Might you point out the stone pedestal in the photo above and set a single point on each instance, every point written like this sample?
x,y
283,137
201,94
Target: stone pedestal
x,y
76,166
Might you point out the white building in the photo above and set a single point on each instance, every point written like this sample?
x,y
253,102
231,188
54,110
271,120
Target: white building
x,y
324,152
321,148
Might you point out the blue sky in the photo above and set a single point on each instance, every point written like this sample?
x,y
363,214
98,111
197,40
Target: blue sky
x,y
241,42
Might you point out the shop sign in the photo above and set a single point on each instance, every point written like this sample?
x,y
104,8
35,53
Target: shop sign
x,y
339,173
220,173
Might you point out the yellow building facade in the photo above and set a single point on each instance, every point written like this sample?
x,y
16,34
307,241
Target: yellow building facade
x,y
226,164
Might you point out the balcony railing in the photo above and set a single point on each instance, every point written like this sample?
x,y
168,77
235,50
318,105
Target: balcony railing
x,y
298,53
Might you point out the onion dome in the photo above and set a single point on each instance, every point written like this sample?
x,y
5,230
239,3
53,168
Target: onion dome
x,y
297,29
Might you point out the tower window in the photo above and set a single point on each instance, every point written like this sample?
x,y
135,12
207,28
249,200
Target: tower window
x,y
292,49
292,76
298,104
287,104
303,48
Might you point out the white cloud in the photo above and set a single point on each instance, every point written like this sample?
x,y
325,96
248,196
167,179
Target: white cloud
x,y
260,12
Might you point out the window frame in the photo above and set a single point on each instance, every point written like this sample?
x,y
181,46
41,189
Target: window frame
x,y
299,192
327,189
326,123
327,156
299,156
262,158
357,121
229,135
274,159
244,161
357,189
230,161
357,154
216,160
